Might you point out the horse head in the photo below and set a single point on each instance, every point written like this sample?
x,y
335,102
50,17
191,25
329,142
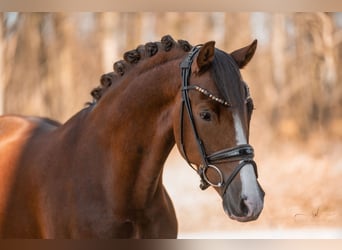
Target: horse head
x,y
212,127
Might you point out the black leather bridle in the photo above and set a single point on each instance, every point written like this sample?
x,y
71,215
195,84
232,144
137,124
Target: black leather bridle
x,y
242,153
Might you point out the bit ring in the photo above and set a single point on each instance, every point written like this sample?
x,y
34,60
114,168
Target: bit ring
x,y
204,171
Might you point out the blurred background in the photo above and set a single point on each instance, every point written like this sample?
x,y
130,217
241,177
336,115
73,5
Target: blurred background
x,y
49,63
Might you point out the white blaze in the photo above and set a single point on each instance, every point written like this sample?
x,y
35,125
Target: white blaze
x,y
247,175
239,132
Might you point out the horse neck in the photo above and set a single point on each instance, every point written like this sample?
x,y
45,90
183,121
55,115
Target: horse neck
x,y
136,121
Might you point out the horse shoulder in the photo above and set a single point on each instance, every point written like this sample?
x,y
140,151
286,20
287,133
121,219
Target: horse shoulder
x,y
15,133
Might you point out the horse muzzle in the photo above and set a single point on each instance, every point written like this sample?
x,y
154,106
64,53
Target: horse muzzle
x,y
244,208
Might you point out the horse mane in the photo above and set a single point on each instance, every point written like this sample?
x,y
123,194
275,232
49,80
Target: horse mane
x,y
133,57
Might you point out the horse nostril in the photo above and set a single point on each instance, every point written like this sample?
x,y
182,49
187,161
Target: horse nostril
x,y
244,206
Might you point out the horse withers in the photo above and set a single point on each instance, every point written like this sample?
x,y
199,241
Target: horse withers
x,y
99,175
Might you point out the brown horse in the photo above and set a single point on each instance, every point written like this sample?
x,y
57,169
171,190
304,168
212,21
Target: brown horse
x,y
99,175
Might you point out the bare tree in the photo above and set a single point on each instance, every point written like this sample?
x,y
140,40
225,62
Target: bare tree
x,y
315,70
237,30
23,90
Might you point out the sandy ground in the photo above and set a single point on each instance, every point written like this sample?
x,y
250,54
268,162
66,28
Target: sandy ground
x,y
302,182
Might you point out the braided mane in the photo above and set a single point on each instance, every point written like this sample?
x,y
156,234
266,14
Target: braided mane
x,y
132,57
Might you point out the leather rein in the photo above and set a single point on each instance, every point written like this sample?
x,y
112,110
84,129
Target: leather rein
x,y
242,153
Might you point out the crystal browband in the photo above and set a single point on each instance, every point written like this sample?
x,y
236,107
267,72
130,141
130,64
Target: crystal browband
x,y
209,94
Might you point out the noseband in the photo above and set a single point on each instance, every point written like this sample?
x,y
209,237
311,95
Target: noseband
x,y
242,153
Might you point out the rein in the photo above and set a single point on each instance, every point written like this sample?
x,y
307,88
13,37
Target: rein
x,y
242,153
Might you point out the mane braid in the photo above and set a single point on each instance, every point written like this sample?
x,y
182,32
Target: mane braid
x,y
133,57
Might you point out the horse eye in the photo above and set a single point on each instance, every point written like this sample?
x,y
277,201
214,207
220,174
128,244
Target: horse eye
x,y
205,115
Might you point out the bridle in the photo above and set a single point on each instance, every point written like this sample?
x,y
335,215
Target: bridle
x,y
242,153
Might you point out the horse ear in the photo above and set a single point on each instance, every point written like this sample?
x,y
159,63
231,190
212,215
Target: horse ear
x,y
205,56
244,55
